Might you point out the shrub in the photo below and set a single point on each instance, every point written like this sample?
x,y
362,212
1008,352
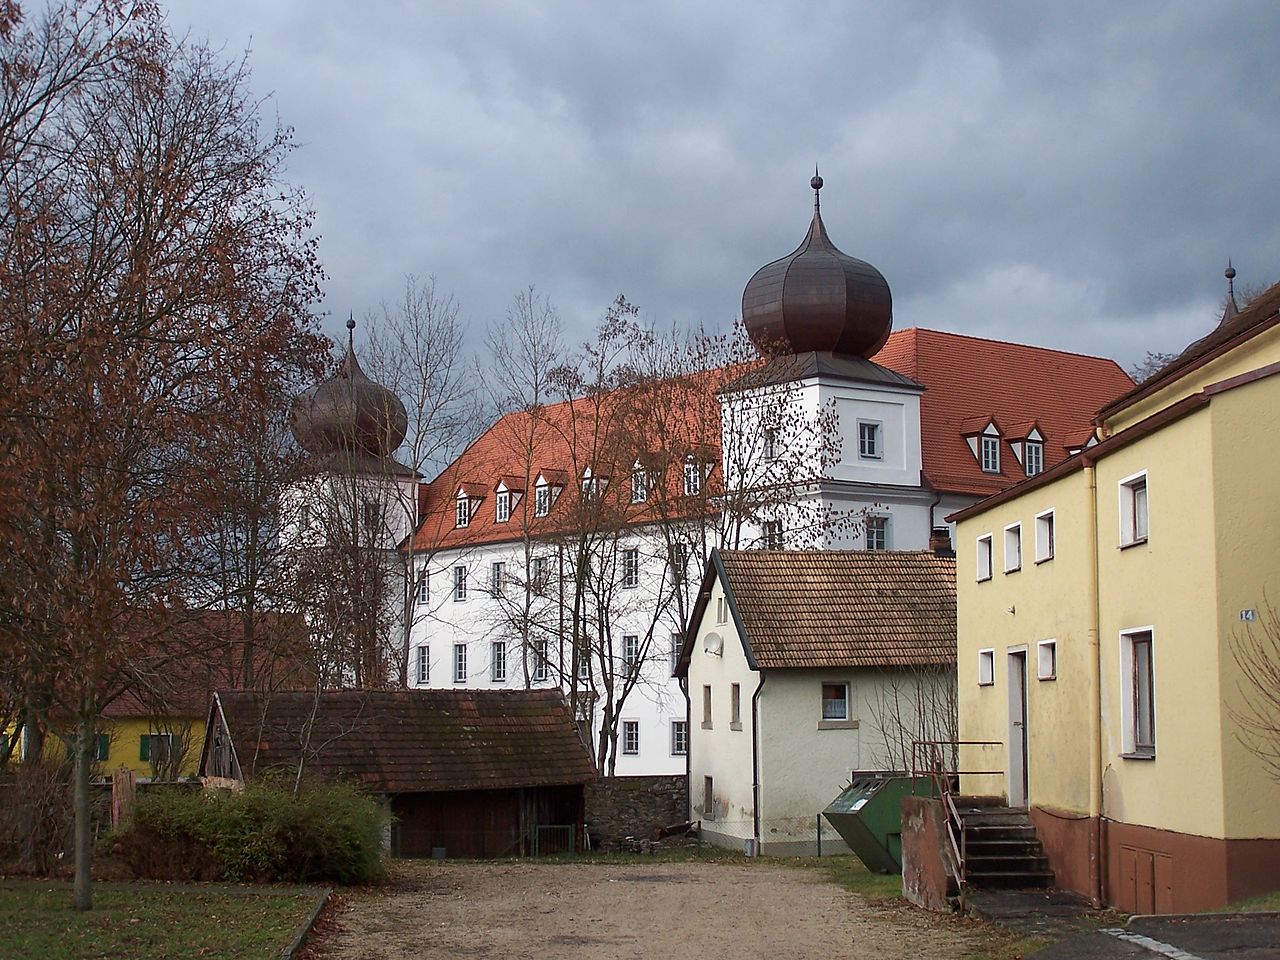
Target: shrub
x,y
324,832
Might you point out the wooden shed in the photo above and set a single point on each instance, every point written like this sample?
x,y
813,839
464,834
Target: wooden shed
x,y
467,773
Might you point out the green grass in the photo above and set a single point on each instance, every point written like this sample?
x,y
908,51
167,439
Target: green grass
x,y
850,873
148,922
1267,903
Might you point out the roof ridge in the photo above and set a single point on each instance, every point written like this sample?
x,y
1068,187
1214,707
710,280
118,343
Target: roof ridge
x,y
1013,343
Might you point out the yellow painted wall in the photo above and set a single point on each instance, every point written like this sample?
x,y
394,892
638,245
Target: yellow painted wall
x,y
1048,604
1166,584
1258,352
1246,461
124,748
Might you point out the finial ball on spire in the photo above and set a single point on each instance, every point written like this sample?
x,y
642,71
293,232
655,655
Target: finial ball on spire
x,y
1230,272
351,322
816,182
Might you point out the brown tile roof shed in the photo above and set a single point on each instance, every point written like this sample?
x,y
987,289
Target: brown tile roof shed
x,y
410,741
829,608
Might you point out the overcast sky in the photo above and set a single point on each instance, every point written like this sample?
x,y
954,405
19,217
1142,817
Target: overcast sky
x,y
1068,174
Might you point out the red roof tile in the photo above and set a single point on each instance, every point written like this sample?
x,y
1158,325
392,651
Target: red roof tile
x,y
965,378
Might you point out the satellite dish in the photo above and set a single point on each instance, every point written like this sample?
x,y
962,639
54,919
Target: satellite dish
x,y
713,644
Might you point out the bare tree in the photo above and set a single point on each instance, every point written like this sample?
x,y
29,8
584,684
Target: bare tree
x,y
152,260
1257,656
913,703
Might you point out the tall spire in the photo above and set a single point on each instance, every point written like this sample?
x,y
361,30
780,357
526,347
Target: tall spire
x,y
816,183
351,332
1230,309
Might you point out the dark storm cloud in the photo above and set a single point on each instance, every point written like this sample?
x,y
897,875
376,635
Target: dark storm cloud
x,y
1067,174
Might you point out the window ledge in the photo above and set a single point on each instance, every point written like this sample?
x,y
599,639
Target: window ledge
x,y
1040,560
1138,756
1133,543
706,725
1013,570
837,724
984,579
735,725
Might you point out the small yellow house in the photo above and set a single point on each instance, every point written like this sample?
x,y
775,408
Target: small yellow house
x,y
1104,610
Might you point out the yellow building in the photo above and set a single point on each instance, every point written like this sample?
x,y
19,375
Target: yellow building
x,y
1104,607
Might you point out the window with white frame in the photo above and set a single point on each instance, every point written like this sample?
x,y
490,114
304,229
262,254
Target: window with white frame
x,y
990,454
590,488
630,652
835,701
498,661
706,706
984,557
537,572
1034,457
497,578
773,534
1044,536
735,706
630,737
679,562
304,519
877,533
459,583
462,516
869,446
541,500
722,610
584,665
459,663
631,568
422,664
771,443
372,520
502,506
639,485
1133,509
420,591
1138,699
1047,660
986,667
677,643
1013,548
541,668
679,738
692,478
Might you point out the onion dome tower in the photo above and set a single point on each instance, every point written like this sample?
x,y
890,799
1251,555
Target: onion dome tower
x,y
818,299
349,414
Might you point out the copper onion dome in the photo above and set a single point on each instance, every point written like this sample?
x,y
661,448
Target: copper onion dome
x,y
349,413
817,298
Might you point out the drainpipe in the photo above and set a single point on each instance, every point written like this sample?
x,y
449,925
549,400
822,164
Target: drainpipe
x,y
755,762
1095,691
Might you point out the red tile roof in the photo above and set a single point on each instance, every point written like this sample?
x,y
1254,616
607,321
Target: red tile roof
x,y
966,379
969,377
410,741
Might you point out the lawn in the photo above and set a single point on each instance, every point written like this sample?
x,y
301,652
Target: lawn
x,y
149,922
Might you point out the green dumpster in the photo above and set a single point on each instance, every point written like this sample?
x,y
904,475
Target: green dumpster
x,y
868,817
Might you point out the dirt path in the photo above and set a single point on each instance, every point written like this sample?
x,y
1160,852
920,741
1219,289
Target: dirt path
x,y
660,910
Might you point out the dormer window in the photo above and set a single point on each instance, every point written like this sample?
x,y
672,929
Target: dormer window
x,y
1034,457
639,485
692,478
502,506
990,454
542,500
462,516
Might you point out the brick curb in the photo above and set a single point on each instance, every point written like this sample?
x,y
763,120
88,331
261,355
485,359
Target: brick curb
x,y
1238,915
304,929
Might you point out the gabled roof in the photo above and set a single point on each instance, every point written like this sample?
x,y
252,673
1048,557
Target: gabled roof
x,y
1262,313
970,377
408,741
834,608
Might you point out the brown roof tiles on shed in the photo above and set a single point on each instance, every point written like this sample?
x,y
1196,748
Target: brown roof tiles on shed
x,y
408,741
829,608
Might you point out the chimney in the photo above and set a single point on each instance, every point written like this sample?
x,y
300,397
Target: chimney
x,y
940,542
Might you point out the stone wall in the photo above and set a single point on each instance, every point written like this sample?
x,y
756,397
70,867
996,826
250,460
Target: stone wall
x,y
619,807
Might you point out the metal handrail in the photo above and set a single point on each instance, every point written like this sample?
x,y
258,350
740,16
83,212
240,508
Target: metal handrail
x,y
943,775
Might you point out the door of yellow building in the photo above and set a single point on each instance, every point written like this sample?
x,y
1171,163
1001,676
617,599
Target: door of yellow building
x,y
1018,727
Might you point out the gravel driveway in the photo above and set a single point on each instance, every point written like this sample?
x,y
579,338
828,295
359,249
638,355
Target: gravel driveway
x,y
589,910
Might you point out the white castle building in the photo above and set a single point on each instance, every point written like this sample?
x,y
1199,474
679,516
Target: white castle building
x,y
539,559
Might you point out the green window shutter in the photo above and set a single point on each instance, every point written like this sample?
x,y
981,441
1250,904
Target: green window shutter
x,y
104,746
144,747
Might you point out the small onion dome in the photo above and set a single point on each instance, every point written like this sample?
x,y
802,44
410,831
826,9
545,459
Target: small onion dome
x,y
817,298
349,413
